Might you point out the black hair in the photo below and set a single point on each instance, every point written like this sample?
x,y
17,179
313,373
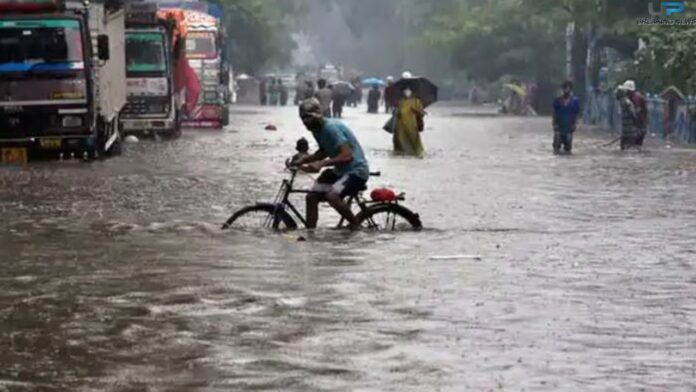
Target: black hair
x,y
321,83
567,83
302,145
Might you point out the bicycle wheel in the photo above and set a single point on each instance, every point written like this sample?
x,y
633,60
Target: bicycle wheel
x,y
389,217
261,216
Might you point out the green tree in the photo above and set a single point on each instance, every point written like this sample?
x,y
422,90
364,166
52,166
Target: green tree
x,y
259,31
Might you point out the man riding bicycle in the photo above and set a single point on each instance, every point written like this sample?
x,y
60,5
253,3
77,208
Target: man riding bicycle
x,y
338,148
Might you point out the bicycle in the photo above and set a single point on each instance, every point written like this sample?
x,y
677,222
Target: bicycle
x,y
281,214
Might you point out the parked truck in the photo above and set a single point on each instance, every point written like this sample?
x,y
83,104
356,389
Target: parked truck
x,y
203,49
62,78
151,106
207,49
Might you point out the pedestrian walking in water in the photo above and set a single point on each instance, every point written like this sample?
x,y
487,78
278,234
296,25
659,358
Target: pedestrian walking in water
x,y
263,97
275,93
388,99
324,95
308,90
633,115
373,98
566,110
409,125
283,93
338,100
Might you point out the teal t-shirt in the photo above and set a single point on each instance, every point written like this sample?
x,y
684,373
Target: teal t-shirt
x,y
332,137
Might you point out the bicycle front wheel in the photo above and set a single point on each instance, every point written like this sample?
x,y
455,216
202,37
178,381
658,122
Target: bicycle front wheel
x,y
261,216
389,217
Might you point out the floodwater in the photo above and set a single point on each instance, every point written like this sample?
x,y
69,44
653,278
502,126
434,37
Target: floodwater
x,y
115,276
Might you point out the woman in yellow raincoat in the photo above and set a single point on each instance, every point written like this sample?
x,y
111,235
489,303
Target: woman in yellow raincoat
x,y
407,138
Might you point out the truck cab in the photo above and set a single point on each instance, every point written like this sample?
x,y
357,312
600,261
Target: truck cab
x,y
51,77
203,50
151,107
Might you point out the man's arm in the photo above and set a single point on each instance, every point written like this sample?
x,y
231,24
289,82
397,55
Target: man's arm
x,y
317,156
345,155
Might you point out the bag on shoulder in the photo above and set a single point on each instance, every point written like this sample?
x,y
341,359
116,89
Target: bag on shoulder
x,y
421,123
390,125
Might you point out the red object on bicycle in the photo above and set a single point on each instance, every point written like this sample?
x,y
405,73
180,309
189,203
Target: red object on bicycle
x,y
383,194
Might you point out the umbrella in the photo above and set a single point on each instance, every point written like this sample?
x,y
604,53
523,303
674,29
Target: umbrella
x,y
519,90
373,81
343,88
422,88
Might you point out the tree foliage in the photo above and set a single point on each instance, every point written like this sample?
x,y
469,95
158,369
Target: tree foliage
x,y
258,31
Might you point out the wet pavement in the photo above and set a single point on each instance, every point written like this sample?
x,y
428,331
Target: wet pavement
x,y
116,278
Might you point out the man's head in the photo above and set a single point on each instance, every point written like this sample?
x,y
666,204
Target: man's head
x,y
375,86
567,88
310,113
629,86
302,145
321,83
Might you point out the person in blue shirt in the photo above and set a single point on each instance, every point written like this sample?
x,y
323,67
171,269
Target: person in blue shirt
x,y
339,149
566,110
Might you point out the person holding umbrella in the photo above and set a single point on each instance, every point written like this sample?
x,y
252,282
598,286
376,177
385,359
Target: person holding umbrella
x,y
373,98
414,95
409,124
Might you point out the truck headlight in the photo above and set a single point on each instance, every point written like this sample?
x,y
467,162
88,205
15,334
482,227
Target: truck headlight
x,y
71,121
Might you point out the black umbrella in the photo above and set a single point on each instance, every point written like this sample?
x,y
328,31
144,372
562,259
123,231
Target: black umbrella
x,y
342,88
422,88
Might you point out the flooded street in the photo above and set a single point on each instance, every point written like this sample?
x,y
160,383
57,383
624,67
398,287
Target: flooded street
x,y
116,276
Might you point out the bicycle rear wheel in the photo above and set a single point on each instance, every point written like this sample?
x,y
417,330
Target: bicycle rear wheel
x,y
389,217
261,216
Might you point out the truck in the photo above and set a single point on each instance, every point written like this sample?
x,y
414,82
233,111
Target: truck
x,y
152,106
203,50
62,78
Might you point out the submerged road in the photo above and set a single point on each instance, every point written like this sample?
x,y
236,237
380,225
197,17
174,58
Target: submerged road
x,y
115,276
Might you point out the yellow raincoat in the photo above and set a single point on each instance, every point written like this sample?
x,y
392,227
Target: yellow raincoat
x,y
406,136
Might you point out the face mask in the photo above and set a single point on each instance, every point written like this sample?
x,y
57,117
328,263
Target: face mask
x,y
408,93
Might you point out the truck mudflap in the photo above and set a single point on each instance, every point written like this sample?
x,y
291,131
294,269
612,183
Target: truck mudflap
x,y
205,116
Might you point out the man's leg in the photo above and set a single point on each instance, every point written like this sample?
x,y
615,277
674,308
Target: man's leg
x,y
322,186
568,143
312,209
556,142
347,185
336,201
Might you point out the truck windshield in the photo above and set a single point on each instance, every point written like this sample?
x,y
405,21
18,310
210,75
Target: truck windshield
x,y
145,52
200,45
36,44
